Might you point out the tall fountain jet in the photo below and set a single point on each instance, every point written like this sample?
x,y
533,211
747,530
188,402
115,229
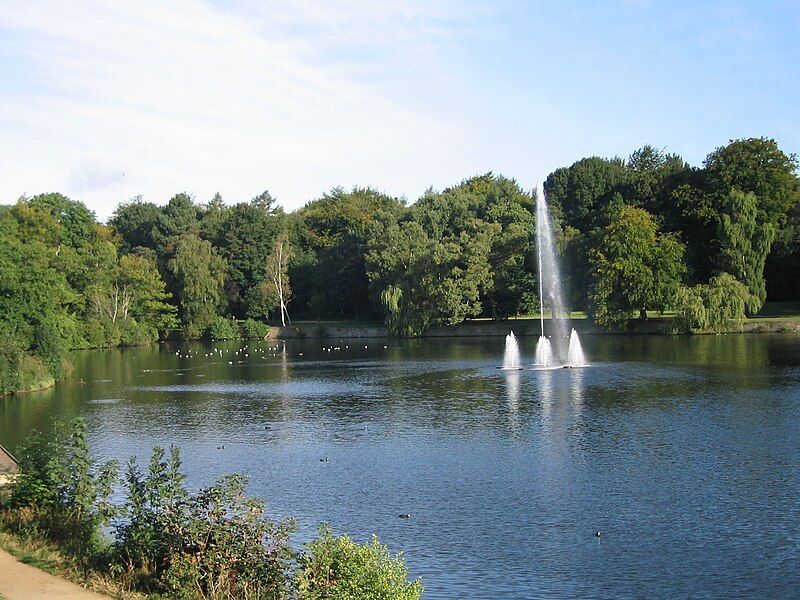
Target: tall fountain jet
x,y
562,349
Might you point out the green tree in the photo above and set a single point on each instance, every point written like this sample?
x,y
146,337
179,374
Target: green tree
x,y
213,214
75,219
580,192
135,222
422,281
745,244
137,291
633,268
329,237
34,295
757,166
508,215
716,306
181,215
198,272
245,237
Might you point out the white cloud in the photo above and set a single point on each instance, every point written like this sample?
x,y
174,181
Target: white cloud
x,y
192,96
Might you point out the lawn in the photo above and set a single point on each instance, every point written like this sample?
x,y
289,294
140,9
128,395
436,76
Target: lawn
x,y
780,311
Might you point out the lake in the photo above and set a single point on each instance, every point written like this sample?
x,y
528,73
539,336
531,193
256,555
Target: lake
x,y
684,451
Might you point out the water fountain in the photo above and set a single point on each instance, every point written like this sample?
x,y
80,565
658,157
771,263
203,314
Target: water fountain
x,y
544,352
575,357
511,357
549,284
560,349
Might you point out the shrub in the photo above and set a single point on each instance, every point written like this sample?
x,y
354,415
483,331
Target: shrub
x,y
111,334
716,306
33,374
214,544
254,330
223,329
226,548
192,331
62,494
340,568
94,334
135,334
10,357
142,545
50,347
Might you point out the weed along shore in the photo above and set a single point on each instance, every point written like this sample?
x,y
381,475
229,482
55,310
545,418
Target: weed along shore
x,y
216,543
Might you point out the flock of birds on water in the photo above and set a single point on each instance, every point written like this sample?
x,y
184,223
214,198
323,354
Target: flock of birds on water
x,y
244,352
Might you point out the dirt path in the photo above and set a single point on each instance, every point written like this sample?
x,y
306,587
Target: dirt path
x,y
19,581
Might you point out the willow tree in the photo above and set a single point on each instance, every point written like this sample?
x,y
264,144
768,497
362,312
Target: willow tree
x,y
746,241
198,273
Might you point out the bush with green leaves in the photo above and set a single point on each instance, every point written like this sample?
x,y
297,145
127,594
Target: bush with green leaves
x,y
50,347
133,333
10,357
64,496
213,544
716,307
254,330
337,567
223,328
216,542
193,331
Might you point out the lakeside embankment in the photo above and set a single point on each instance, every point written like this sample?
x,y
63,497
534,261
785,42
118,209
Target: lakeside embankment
x,y
521,327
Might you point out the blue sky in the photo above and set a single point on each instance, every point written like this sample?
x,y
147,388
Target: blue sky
x,y
109,99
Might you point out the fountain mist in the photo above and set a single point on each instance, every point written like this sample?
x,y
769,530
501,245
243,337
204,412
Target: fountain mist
x,y
544,353
575,357
511,358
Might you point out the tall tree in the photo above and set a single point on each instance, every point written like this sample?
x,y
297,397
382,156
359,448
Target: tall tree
x,y
757,166
745,243
198,272
423,280
634,268
578,194
245,237
276,284
329,239
135,221
75,219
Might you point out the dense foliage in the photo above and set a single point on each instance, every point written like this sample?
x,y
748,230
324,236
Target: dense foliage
x,y
634,234
213,544
338,567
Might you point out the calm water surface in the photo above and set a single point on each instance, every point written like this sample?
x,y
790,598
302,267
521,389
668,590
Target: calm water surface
x,y
683,451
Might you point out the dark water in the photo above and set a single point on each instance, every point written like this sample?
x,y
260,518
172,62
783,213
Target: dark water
x,y
683,451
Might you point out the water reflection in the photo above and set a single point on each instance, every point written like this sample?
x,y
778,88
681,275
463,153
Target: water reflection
x,y
683,450
513,381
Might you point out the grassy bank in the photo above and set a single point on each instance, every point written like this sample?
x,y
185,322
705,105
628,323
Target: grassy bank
x,y
775,317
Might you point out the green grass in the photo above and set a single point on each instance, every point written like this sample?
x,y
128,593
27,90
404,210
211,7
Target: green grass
x,y
779,311
334,323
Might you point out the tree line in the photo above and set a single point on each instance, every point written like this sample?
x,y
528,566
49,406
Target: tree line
x,y
644,233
